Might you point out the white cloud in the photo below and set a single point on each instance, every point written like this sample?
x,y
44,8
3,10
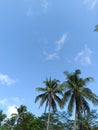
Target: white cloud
x,y
45,3
61,42
9,101
84,57
3,101
6,80
91,3
51,56
10,110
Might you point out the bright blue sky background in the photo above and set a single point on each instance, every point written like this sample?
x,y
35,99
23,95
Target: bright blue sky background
x,y
43,38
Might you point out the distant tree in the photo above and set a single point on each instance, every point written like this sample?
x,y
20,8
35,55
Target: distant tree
x,y
77,94
51,95
20,113
89,121
9,123
25,120
2,116
59,121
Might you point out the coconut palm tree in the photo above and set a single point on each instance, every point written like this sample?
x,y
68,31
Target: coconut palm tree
x,y
20,113
50,96
77,94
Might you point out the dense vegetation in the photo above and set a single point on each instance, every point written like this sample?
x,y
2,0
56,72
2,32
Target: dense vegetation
x,y
72,96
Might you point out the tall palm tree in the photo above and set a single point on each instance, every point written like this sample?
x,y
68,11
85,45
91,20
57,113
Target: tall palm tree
x,y
51,95
77,94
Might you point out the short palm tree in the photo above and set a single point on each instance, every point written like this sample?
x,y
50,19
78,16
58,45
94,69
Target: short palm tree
x,y
77,94
51,95
20,113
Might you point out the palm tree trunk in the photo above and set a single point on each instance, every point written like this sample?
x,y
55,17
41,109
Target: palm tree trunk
x,y
75,121
48,118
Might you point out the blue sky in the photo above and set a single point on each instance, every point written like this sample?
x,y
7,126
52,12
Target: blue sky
x,y
43,38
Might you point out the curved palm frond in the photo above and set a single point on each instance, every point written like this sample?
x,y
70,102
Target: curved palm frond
x,y
59,101
43,99
90,96
85,105
66,96
39,97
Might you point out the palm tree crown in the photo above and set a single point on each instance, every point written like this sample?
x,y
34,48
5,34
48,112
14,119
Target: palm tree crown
x,y
77,94
50,94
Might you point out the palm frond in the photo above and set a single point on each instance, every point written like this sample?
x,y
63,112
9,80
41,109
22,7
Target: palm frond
x,y
59,101
71,104
66,96
40,89
85,105
90,96
39,97
43,99
88,79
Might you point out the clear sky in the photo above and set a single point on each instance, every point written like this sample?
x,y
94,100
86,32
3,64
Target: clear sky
x,y
43,38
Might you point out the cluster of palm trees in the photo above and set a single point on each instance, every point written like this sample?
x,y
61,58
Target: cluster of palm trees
x,y
72,95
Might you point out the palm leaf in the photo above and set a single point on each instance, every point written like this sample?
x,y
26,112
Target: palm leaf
x,y
66,96
71,104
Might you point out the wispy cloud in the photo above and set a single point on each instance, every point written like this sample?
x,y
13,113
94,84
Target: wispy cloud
x,y
9,101
84,57
45,3
51,56
57,48
91,3
61,42
6,80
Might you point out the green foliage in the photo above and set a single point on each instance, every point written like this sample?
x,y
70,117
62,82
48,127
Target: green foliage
x,y
72,92
89,121
58,121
